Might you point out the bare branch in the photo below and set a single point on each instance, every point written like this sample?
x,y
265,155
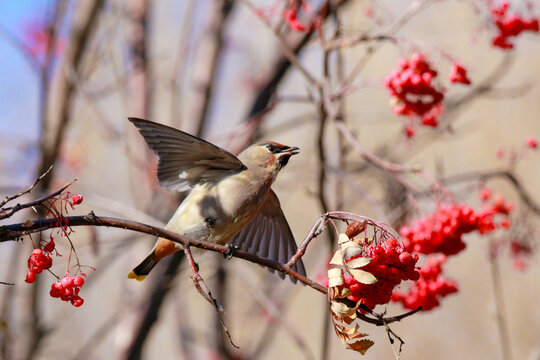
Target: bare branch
x,y
8,212
9,198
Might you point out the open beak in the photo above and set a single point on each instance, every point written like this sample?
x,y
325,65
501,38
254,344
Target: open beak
x,y
285,154
289,151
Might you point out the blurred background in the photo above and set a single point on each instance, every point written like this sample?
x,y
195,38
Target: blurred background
x,y
234,72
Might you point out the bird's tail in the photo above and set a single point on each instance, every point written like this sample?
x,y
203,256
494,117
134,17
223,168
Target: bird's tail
x,y
143,269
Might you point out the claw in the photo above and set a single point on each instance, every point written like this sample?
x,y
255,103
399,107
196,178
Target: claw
x,y
230,251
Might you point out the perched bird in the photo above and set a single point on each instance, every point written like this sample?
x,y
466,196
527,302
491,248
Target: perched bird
x,y
230,198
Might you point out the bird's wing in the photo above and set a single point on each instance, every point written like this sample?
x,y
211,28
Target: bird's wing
x,y
185,160
269,236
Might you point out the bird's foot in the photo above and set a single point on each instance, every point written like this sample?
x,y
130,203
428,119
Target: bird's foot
x,y
230,251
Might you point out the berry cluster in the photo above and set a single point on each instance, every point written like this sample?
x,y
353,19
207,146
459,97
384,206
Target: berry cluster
x,y
429,288
510,25
458,74
442,231
413,91
37,262
390,264
67,289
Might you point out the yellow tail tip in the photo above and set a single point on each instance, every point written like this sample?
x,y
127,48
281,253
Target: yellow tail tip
x,y
132,275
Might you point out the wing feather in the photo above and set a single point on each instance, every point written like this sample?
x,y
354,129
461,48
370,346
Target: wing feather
x,y
269,236
185,160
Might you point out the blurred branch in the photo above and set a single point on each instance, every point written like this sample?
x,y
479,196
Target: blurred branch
x,y
180,67
453,105
150,309
75,50
276,314
210,62
414,8
498,295
503,173
283,63
138,42
394,170
289,53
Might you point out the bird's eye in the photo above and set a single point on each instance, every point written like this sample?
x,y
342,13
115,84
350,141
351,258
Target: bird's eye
x,y
271,147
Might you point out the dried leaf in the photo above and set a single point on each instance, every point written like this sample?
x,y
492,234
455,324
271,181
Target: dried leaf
x,y
363,276
350,332
343,238
345,292
350,250
334,293
28,223
335,273
337,259
342,310
358,262
335,281
355,228
361,345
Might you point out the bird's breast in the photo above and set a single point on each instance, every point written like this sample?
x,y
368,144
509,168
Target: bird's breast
x,y
217,212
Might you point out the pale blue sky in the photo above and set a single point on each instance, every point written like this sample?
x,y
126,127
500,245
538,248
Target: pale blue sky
x,y
19,93
18,82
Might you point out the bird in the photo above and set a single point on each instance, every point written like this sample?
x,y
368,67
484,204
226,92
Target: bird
x,y
229,199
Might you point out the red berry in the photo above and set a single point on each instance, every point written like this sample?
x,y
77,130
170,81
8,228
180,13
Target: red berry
x,y
531,142
78,281
67,282
77,199
30,277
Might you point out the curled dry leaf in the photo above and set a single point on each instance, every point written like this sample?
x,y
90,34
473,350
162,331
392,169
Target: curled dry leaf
x,y
343,311
355,228
337,259
358,262
352,260
350,249
363,276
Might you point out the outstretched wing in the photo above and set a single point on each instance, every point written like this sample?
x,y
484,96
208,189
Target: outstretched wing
x,y
184,159
269,236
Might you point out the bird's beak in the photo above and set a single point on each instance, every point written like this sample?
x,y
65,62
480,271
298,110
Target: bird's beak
x,y
285,154
289,151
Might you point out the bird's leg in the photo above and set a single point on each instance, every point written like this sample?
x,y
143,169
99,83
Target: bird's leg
x,y
231,248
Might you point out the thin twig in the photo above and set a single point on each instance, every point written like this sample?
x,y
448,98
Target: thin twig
x,y
207,295
10,198
8,212
11,210
287,51
394,170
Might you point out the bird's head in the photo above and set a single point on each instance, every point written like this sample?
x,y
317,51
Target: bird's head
x,y
270,156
